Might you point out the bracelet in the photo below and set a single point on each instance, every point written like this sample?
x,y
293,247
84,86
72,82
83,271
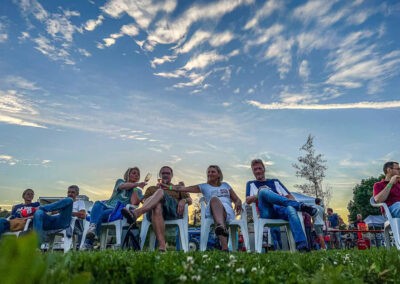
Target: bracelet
x,y
256,196
170,187
389,185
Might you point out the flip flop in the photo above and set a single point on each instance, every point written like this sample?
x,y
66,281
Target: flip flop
x,y
221,231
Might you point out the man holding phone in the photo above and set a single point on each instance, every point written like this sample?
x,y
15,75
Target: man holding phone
x,y
388,189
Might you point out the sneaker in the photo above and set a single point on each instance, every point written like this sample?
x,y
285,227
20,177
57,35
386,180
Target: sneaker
x,y
309,209
130,217
91,233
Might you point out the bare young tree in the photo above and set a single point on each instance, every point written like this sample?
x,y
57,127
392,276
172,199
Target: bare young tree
x,y
312,167
195,216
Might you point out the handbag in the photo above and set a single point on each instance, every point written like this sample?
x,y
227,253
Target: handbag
x,y
17,224
116,213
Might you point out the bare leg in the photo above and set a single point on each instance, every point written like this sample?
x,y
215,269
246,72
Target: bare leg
x,y
157,222
150,203
219,215
322,242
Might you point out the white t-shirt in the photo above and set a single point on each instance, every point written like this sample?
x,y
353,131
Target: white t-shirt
x,y
319,218
223,194
78,205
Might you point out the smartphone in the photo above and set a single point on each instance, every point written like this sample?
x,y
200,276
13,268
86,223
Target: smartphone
x,y
148,177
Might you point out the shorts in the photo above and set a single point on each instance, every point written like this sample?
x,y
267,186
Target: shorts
x,y
319,230
169,207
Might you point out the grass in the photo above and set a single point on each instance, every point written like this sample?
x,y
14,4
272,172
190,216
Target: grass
x,y
20,262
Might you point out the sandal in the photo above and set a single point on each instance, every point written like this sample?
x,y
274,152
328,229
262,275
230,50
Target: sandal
x,y
221,231
130,217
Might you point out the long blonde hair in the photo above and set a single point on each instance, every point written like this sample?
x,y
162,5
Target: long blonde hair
x,y
221,177
128,172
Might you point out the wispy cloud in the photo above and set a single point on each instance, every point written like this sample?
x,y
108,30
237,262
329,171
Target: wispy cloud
x,y
359,105
20,83
92,24
268,9
3,32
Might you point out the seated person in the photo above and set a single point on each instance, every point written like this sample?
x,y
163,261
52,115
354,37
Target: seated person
x,y
274,201
388,189
62,210
126,191
219,197
23,210
161,204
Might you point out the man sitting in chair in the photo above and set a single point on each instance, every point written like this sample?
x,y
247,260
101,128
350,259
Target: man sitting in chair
x,y
274,201
388,189
64,209
162,204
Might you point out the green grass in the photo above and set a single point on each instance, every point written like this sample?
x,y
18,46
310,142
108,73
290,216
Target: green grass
x,y
20,262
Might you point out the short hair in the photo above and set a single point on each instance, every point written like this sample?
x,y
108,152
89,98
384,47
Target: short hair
x,y
74,187
128,172
25,192
166,167
221,176
257,161
318,201
388,165
329,209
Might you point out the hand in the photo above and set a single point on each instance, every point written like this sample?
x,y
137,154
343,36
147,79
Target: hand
x,y
238,207
141,184
250,199
181,183
394,179
181,206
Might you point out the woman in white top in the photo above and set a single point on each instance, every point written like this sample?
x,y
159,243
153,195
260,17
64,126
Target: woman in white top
x,y
219,197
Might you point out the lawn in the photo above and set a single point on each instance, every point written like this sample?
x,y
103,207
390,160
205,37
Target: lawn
x,y
21,262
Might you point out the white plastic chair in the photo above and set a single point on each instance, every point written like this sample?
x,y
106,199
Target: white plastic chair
x,y
17,233
232,225
67,243
182,224
259,224
390,223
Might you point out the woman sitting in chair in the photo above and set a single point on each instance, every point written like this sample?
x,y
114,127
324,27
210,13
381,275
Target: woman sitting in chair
x,y
219,197
24,210
127,190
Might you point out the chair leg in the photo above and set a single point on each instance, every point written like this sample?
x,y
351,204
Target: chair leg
x,y
152,241
387,237
118,234
183,238
85,229
395,224
245,234
292,244
233,237
204,233
258,237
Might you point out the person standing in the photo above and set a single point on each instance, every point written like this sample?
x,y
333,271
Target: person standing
x,y
319,221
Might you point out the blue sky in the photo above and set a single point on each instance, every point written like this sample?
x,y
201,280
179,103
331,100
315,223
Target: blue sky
x,y
89,88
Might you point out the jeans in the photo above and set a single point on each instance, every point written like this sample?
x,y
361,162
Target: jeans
x,y
395,210
4,226
99,214
276,237
275,206
43,222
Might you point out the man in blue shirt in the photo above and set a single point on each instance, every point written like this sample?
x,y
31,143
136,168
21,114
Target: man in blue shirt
x,y
274,201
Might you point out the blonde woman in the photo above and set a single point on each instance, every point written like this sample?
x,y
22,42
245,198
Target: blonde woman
x,y
219,196
127,190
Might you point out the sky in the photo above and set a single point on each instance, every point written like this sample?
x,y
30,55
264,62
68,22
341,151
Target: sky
x,y
90,88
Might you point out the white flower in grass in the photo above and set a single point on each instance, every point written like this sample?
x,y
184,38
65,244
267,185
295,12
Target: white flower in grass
x,y
196,277
190,260
231,257
217,266
253,269
241,270
205,256
182,278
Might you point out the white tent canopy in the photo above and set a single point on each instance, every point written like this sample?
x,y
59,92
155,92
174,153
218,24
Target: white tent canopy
x,y
304,198
375,220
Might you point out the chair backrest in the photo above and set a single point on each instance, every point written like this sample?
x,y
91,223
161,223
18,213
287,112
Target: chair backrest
x,y
255,213
387,213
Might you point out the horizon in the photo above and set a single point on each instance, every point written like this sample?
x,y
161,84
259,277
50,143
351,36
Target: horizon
x,y
88,89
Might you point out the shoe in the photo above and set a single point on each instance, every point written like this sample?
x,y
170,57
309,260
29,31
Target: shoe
x,y
130,217
88,245
309,209
221,231
91,233
302,247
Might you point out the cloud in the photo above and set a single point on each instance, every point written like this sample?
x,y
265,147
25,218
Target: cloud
x,y
3,33
91,25
45,46
20,83
359,105
162,60
264,35
304,70
7,159
268,9
202,60
198,37
221,38
129,30
280,52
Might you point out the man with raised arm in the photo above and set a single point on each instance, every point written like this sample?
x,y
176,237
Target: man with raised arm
x,y
388,189
274,201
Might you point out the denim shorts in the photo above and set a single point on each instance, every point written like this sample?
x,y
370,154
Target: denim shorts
x,y
169,207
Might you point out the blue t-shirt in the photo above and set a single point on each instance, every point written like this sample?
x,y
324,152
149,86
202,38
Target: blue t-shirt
x,y
16,211
334,220
272,184
223,194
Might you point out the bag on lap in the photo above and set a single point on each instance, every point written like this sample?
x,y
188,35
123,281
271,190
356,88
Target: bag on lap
x,y
17,224
116,213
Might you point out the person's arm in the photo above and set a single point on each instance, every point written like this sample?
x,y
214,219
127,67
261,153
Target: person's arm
x,y
384,194
236,200
250,198
131,185
182,188
81,214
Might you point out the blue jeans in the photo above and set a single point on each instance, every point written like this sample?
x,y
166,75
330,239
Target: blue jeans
x,y
4,226
395,210
43,222
275,206
276,237
99,214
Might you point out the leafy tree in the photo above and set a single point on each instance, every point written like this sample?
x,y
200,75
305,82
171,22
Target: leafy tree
x,y
361,195
312,167
195,215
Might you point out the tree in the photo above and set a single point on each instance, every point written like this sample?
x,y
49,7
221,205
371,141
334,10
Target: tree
x,y
195,216
361,195
312,167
